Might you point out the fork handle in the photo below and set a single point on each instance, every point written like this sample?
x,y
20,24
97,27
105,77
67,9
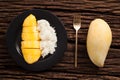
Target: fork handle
x,y
76,42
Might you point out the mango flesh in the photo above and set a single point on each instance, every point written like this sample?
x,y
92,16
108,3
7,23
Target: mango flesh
x,y
99,39
30,21
31,55
30,45
29,29
31,36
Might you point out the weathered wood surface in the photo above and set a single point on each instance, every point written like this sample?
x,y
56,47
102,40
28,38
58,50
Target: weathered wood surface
x,y
109,10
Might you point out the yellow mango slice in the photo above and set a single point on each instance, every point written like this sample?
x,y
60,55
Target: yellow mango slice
x,y
99,39
30,44
29,29
30,36
31,55
30,21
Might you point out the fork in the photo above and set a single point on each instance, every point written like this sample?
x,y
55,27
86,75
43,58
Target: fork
x,y
76,25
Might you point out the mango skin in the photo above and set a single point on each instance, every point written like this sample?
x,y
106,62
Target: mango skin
x,y
99,39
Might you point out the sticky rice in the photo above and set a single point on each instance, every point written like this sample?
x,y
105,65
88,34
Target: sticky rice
x,y
48,37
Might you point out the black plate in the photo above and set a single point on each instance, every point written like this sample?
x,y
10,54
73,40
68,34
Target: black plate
x,y
14,40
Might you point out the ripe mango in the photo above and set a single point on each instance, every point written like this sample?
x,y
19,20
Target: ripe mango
x,y
29,29
99,39
30,36
30,44
31,55
30,21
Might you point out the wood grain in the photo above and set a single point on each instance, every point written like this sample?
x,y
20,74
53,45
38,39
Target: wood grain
x,y
109,10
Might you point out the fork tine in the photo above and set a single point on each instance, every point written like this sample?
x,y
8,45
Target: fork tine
x,y
77,18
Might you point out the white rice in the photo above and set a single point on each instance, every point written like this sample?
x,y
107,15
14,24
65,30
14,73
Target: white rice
x,y
48,37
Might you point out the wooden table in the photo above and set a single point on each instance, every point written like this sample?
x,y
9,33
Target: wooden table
x,y
109,10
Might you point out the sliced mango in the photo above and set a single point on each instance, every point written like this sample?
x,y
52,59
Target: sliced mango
x,y
30,36
29,29
31,55
30,21
30,44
